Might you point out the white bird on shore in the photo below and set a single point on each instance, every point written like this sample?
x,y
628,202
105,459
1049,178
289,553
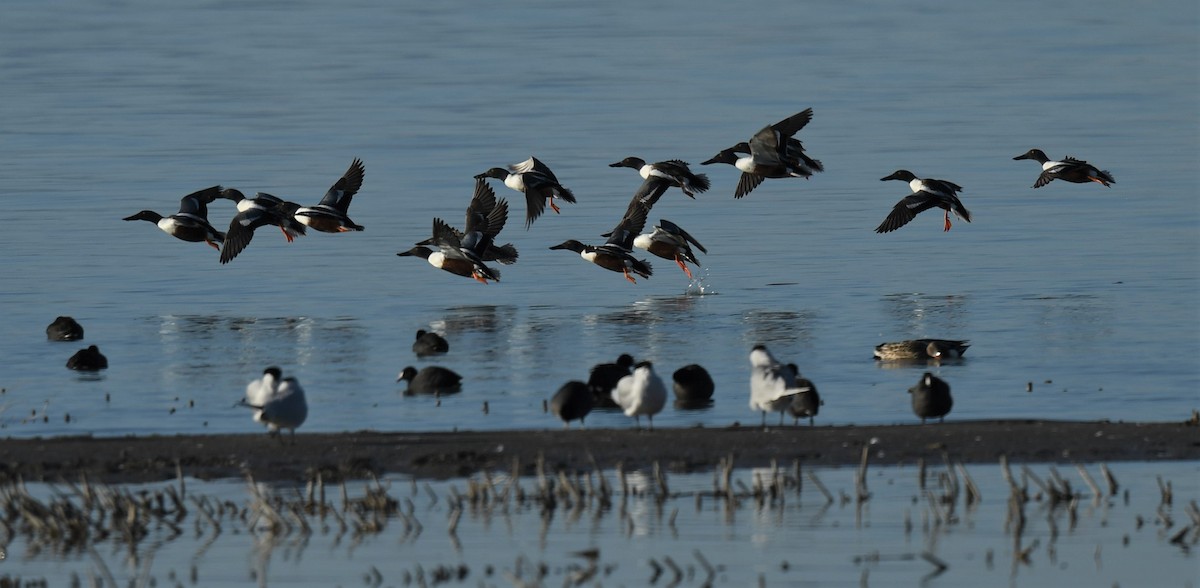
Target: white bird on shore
x,y
641,393
277,402
772,385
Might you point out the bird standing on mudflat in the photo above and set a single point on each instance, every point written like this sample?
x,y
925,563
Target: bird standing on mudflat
x,y
641,393
603,378
572,402
772,384
931,398
808,402
277,402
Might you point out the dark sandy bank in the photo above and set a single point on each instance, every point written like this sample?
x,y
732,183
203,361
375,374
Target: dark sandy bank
x,y
443,455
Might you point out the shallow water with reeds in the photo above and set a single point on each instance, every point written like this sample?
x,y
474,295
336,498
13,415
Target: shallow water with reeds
x,y
939,524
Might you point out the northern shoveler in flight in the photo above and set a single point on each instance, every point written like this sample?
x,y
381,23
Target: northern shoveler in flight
x,y
261,210
927,194
486,217
673,172
669,241
772,153
1076,171
191,222
330,215
534,179
616,253
462,253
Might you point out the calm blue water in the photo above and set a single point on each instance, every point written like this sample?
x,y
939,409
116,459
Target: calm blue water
x,y
1090,293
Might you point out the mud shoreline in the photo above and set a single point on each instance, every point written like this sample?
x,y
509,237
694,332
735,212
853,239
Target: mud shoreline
x,y
445,455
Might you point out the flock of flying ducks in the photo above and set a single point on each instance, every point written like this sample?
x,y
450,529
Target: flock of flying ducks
x,y
772,152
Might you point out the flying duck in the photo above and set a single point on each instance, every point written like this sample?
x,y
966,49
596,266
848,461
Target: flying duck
x,y
672,172
615,254
669,241
261,210
462,253
330,215
772,153
486,217
191,222
534,179
927,194
1076,171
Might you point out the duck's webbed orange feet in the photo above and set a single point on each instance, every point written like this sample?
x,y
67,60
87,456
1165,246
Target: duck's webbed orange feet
x,y
684,267
628,277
